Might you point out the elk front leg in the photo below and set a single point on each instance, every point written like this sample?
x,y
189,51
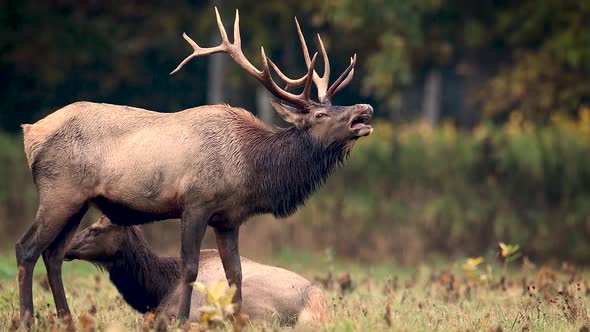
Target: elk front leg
x,y
227,243
193,226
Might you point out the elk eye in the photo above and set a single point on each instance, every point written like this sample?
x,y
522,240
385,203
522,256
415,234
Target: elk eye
x,y
320,115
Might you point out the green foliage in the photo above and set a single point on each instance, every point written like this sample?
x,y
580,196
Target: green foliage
x,y
549,63
18,197
106,51
538,84
463,190
510,252
389,35
538,52
530,56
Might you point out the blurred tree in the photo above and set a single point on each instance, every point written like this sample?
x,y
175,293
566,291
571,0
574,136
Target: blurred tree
x,y
400,39
55,53
58,52
533,56
542,49
550,65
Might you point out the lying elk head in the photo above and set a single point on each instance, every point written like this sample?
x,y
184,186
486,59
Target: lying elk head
x,y
98,243
326,123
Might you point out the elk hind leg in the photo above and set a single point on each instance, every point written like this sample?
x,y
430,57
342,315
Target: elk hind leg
x,y
52,218
53,257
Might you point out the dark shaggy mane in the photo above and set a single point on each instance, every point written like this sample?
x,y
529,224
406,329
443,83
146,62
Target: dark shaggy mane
x,y
143,278
286,166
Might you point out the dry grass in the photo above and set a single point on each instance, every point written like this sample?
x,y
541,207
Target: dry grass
x,y
444,298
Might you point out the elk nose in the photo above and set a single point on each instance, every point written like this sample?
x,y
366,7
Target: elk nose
x,y
366,108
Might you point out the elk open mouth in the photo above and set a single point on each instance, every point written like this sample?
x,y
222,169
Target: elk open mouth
x,y
359,125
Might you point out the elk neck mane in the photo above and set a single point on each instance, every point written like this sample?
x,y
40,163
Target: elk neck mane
x,y
143,278
286,165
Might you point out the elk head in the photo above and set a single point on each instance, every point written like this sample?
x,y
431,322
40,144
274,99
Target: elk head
x,y
325,122
98,243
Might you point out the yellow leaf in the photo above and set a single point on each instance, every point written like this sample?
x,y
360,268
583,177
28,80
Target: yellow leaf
x,y
208,309
507,249
205,317
472,263
200,287
216,291
219,302
504,248
228,296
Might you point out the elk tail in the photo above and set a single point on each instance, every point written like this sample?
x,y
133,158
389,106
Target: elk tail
x,y
29,144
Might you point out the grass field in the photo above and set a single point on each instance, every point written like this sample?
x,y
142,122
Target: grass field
x,y
456,296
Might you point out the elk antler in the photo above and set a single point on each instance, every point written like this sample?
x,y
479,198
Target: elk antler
x,y
324,94
234,50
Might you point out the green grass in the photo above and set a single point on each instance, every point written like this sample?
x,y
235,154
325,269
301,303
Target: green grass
x,y
8,268
437,297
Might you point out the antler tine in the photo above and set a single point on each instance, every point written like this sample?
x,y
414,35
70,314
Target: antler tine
x,y
343,80
309,77
237,38
298,81
199,51
290,82
322,82
234,50
302,99
221,27
316,77
303,44
188,58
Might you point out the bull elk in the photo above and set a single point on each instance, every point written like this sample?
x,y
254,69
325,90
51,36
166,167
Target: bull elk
x,y
211,165
149,283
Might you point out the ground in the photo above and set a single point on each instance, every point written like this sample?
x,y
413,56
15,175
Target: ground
x,y
455,296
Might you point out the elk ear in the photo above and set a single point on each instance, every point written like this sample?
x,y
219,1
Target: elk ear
x,y
289,114
104,221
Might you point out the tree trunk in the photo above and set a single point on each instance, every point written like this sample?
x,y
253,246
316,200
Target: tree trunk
x,y
217,68
432,98
263,106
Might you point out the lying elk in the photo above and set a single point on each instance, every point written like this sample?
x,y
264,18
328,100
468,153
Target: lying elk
x,y
212,165
150,283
